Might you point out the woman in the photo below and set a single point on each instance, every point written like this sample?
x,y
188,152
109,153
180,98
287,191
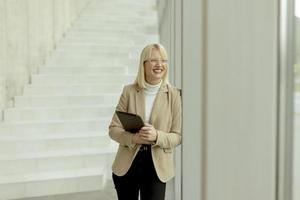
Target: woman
x,y
144,161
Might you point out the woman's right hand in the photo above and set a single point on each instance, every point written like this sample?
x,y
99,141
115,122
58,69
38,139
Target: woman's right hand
x,y
138,140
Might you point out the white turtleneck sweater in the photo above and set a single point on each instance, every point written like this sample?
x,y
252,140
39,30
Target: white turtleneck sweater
x,y
150,94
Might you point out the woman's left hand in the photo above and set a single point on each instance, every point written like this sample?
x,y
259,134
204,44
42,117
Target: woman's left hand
x,y
148,132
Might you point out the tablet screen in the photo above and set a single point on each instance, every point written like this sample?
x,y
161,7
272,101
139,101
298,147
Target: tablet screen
x,y
130,122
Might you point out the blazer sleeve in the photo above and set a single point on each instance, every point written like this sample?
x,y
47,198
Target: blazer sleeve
x,y
116,131
173,138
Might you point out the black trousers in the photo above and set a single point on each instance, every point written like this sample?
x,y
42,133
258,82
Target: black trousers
x,y
141,178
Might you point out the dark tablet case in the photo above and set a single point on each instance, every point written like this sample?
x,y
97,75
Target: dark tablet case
x,y
130,122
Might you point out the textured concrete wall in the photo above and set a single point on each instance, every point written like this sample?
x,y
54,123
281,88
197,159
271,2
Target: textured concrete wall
x,y
29,31
2,56
16,30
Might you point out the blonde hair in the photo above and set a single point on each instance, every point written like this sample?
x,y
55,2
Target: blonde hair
x,y
145,55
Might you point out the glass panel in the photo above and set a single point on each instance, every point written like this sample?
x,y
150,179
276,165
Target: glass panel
x,y
296,191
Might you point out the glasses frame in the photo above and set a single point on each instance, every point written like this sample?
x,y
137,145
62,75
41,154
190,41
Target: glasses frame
x,y
157,61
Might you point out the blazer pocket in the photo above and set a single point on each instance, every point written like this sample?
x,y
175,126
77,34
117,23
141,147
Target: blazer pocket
x,y
168,150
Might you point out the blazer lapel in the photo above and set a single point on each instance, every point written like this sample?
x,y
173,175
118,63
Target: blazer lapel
x,y
140,103
159,102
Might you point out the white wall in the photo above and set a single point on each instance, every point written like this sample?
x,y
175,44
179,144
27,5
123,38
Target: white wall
x,y
29,31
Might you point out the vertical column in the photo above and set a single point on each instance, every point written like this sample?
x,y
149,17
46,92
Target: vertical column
x,y
193,77
241,99
229,82
170,36
286,99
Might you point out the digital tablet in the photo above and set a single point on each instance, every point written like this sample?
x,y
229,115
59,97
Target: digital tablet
x,y
130,122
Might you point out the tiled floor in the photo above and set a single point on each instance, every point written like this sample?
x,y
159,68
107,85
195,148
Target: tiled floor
x,y
107,194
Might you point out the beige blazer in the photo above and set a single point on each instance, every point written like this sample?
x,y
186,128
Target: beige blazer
x,y
166,119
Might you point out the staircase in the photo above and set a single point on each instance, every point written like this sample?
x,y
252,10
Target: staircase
x,y
55,138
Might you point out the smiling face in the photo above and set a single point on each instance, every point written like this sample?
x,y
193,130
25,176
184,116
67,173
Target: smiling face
x,y
155,67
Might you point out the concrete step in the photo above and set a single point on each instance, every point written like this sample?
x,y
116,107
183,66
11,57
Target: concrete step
x,y
82,70
144,17
89,62
88,57
12,144
94,13
67,100
88,89
108,193
49,136
14,163
80,79
112,34
92,32
98,29
119,10
60,113
93,16
84,39
126,2
118,22
89,38
49,183
93,48
105,66
22,166
123,28
56,126
84,53
120,6
104,27
105,39
140,17
130,35
79,44
47,164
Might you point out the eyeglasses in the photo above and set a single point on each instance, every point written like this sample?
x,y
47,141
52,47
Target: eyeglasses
x,y
156,61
